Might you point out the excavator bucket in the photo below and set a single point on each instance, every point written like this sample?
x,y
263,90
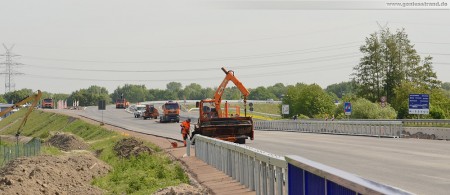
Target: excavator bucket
x,y
235,129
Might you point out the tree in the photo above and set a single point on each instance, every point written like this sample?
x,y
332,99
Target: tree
x,y
446,86
2,100
18,95
193,91
232,93
389,60
277,90
340,89
133,93
309,100
89,96
261,93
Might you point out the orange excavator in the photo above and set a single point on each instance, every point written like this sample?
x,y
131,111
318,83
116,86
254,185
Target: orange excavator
x,y
35,98
215,122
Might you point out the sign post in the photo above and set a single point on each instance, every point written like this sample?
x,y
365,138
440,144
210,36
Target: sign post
x,y
348,109
285,109
102,107
419,104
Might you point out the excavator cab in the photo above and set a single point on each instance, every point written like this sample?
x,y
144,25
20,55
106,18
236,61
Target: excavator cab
x,y
215,122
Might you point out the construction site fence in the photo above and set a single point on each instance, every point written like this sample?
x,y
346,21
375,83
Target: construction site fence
x,y
11,152
267,173
364,128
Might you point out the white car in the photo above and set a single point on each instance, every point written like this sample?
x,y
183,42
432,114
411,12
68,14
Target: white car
x,y
140,109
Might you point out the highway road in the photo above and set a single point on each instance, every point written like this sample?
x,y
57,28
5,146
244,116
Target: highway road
x,y
418,166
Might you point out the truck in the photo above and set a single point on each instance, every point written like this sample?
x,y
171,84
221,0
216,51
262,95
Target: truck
x,y
48,103
150,112
122,103
217,123
170,112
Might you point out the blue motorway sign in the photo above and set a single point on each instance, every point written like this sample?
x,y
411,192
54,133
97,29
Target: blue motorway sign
x,y
347,108
419,104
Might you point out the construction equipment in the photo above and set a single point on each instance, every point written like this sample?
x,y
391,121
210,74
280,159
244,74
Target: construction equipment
x,y
150,112
214,122
122,103
171,112
48,103
35,100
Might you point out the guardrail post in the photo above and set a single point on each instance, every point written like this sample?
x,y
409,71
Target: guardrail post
x,y
279,178
257,177
264,177
251,173
271,180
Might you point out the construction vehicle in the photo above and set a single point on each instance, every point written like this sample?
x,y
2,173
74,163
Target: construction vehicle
x,y
48,103
213,122
122,103
150,112
35,100
171,112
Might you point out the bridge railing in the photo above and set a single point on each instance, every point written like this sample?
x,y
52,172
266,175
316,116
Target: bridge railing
x,y
365,128
259,171
267,173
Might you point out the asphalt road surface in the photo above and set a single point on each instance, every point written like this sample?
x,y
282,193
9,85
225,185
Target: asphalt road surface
x,y
418,166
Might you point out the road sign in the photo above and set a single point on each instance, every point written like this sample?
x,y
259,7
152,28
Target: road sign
x,y
419,104
285,109
347,108
102,105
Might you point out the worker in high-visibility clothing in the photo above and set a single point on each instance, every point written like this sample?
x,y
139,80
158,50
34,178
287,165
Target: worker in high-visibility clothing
x,y
185,126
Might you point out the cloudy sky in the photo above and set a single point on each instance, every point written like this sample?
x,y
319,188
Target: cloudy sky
x,y
68,45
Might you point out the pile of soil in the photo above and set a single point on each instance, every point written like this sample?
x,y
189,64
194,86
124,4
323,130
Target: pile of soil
x,y
131,147
69,174
67,142
183,189
419,135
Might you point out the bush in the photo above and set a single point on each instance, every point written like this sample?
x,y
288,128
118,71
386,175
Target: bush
x,y
364,109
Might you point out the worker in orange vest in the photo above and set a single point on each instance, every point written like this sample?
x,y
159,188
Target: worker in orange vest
x,y
185,126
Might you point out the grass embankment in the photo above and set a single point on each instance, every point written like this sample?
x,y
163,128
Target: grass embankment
x,y
140,175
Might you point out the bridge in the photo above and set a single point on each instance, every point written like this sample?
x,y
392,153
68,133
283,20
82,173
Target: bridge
x,y
414,165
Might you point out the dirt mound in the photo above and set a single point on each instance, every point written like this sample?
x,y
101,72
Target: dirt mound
x,y
67,142
131,147
52,175
419,135
183,189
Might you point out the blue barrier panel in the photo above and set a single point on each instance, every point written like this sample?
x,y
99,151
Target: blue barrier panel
x,y
333,188
306,177
295,174
314,185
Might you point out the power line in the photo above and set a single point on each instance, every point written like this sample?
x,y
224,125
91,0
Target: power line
x,y
333,66
258,65
243,57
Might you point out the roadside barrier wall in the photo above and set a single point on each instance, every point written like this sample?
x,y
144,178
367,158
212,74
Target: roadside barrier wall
x,y
267,173
365,128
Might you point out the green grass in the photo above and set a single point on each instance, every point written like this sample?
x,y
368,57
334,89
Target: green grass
x,y
140,175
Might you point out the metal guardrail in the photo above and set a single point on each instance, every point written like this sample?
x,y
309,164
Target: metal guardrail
x,y
267,173
260,171
365,128
8,153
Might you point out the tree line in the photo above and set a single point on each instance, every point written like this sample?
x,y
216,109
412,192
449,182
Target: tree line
x,y
390,68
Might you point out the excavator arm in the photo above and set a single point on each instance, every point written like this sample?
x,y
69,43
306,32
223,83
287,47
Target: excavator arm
x,y
35,98
218,95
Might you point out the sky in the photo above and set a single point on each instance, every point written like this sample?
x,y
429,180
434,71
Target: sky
x,y
64,46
